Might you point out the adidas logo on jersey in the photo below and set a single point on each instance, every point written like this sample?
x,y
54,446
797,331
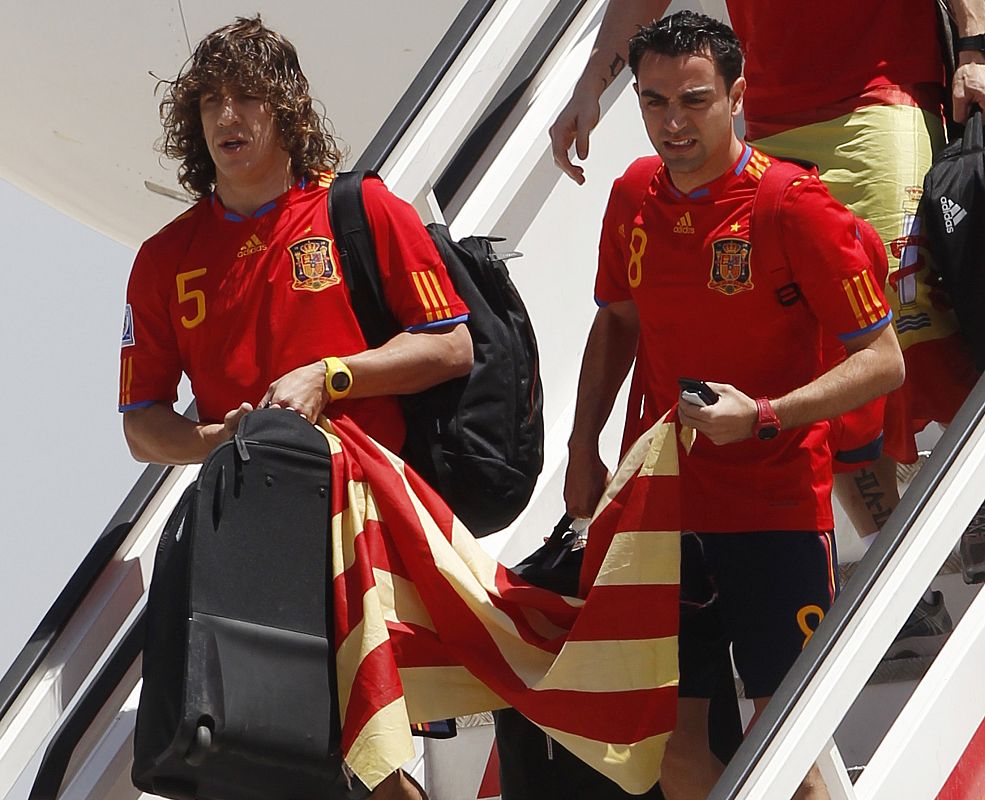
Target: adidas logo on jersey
x,y
953,214
684,224
251,246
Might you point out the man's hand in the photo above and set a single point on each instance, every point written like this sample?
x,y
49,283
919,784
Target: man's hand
x,y
301,390
574,124
729,420
156,433
969,85
584,481
230,423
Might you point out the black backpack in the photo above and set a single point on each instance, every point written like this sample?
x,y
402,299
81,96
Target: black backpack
x,y
953,210
478,440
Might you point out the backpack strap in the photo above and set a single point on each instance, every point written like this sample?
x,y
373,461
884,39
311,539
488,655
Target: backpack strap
x,y
772,262
360,267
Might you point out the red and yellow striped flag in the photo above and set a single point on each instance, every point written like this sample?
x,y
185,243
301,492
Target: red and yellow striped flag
x,y
429,626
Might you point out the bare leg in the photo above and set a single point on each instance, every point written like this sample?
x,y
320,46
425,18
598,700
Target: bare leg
x,y
868,495
398,786
689,769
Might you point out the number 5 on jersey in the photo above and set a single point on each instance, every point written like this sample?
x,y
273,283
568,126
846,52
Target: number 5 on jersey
x,y
196,296
637,246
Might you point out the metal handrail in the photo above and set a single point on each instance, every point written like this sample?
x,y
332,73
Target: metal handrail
x,y
423,86
505,100
109,542
62,746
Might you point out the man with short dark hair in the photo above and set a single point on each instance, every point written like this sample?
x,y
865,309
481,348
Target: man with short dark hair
x,y
243,292
857,87
684,288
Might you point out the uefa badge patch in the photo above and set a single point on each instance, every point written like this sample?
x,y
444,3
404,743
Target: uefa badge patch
x,y
128,338
730,270
314,264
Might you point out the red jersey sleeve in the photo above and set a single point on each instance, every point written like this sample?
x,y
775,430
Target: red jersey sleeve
x,y
611,283
150,364
622,240
415,281
829,263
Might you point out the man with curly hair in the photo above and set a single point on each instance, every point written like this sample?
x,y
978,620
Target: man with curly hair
x,y
243,292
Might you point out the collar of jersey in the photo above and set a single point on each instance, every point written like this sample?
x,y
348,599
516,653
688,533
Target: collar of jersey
x,y
231,216
710,189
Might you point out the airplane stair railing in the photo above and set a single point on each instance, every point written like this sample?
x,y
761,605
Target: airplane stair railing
x,y
71,641
929,736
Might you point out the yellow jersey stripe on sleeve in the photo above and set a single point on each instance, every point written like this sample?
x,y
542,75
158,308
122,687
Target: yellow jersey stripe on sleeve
x,y
850,293
424,287
425,300
433,277
873,294
126,380
869,313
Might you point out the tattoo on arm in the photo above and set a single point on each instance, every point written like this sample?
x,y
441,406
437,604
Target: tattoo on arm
x,y
872,494
616,66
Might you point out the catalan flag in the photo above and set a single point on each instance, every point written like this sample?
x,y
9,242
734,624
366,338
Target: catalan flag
x,y
429,626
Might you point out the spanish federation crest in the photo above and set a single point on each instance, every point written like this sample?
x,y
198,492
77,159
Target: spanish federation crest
x,y
314,265
730,270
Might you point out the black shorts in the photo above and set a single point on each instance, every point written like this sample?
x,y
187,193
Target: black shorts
x,y
762,593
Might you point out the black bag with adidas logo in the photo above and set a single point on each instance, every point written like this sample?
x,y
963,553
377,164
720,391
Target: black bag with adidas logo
x,y
478,440
954,216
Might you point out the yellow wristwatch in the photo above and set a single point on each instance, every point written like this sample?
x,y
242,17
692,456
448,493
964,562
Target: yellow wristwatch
x,y
338,378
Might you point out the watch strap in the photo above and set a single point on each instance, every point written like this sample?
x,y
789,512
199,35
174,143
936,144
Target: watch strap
x,y
338,378
973,44
767,422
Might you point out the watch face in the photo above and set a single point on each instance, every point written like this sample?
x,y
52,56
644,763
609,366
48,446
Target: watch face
x,y
340,381
767,432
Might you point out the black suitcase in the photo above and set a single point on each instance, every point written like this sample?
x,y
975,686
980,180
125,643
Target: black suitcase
x,y
239,697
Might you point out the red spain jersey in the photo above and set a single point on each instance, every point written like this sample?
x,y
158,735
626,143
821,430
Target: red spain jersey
x,y
804,56
707,312
236,302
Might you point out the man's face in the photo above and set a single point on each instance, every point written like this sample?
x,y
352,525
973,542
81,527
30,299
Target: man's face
x,y
242,137
689,115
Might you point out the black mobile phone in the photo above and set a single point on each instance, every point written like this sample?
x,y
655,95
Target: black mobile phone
x,y
697,392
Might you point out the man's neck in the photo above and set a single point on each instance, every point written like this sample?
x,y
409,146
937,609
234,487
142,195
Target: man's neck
x,y
245,198
713,169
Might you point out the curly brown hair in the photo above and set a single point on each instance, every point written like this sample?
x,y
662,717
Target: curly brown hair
x,y
249,57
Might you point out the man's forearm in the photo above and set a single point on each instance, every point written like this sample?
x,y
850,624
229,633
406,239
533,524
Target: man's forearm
x,y
866,374
611,51
157,434
609,353
411,362
969,16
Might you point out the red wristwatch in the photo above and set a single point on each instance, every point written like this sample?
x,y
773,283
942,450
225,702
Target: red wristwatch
x,y
767,422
